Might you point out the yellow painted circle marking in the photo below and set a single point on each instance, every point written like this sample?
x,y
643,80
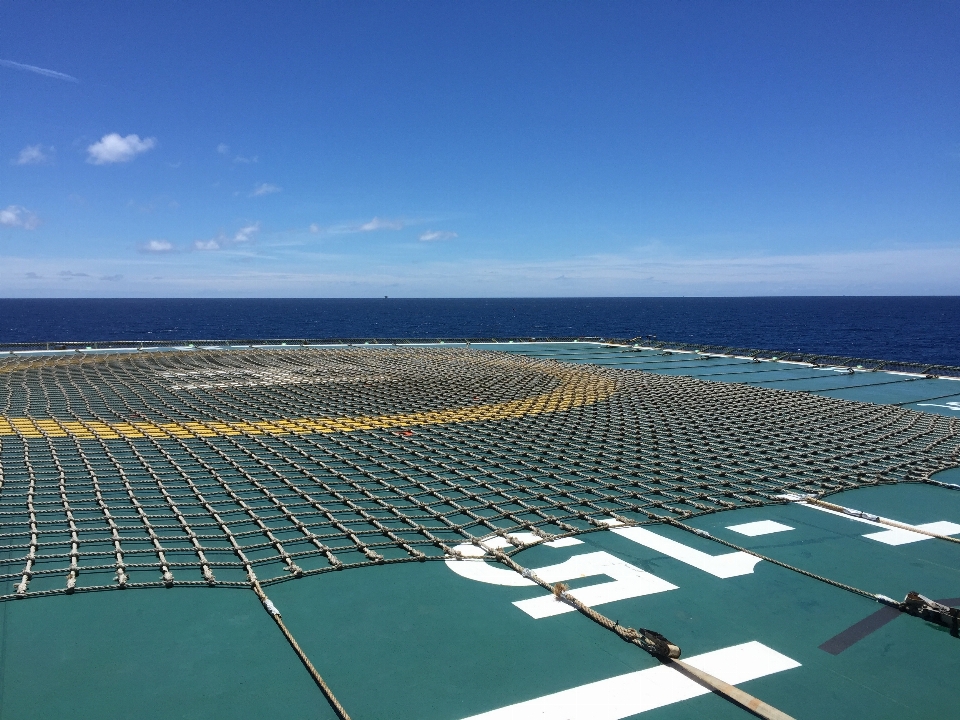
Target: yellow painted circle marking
x,y
577,389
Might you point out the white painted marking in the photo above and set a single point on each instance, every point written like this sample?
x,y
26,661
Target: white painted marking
x,y
840,514
627,695
760,527
471,551
721,566
524,538
951,405
611,522
521,538
479,570
475,568
896,536
564,542
629,582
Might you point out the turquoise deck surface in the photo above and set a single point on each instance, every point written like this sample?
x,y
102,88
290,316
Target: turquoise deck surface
x,y
880,387
180,653
420,642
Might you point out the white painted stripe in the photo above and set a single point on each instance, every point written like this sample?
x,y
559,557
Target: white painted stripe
x,y
611,522
475,568
840,514
760,527
721,566
626,695
894,536
897,536
478,569
564,542
629,582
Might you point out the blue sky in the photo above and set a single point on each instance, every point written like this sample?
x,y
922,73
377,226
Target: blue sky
x,y
479,148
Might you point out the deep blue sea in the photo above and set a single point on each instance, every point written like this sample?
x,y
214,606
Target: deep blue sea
x,y
922,329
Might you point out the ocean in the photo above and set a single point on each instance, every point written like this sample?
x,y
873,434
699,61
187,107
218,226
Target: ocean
x,y
920,329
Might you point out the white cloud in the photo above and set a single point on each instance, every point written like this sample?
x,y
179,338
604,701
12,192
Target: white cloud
x,y
113,148
34,155
381,224
435,235
224,149
38,70
157,246
19,217
265,189
314,228
244,235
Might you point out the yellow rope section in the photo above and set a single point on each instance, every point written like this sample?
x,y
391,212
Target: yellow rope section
x,y
577,389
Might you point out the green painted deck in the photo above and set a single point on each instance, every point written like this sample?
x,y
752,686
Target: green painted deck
x,y
422,641
939,396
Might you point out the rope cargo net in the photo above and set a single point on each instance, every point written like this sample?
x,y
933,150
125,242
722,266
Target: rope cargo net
x,y
231,467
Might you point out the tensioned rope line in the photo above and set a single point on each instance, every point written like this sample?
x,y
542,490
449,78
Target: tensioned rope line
x,y
195,468
639,343
650,641
913,604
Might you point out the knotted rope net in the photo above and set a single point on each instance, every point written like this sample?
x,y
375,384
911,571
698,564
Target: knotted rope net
x,y
226,467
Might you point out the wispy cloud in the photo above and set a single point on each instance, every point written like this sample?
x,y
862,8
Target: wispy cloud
x,y
157,246
114,148
265,189
112,278
224,149
70,275
246,233
38,70
373,225
34,155
243,236
437,235
381,224
19,217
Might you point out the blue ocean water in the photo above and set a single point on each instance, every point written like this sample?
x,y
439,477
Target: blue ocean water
x,y
922,329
